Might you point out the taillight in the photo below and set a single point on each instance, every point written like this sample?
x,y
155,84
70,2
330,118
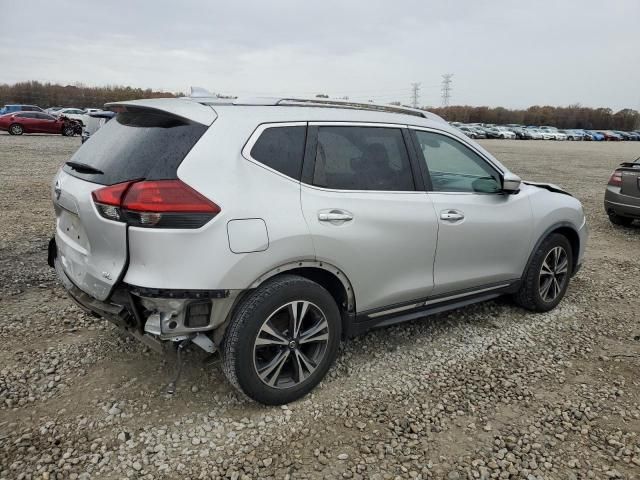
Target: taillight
x,y
155,203
616,178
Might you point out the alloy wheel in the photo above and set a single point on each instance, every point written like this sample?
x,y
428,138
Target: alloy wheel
x,y
553,274
291,344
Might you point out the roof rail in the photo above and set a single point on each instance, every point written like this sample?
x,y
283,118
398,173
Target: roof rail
x,y
206,98
317,102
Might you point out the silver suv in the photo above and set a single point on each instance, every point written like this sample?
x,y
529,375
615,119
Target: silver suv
x,y
271,229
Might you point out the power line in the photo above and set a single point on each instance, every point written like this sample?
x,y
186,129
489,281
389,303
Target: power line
x,y
446,88
415,94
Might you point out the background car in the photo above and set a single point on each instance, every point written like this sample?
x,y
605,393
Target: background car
x,y
595,136
468,131
37,122
622,196
480,133
95,121
19,108
543,134
52,110
74,113
610,135
557,134
574,134
523,133
503,132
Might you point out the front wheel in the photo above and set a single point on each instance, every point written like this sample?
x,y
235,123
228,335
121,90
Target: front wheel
x,y
16,129
282,340
68,131
547,277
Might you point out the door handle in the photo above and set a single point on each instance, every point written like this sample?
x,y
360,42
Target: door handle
x,y
334,216
451,215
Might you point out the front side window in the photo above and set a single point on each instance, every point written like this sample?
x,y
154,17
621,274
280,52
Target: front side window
x,y
362,158
454,167
281,148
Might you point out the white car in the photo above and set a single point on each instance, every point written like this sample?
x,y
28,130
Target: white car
x,y
544,134
74,113
271,229
553,133
504,132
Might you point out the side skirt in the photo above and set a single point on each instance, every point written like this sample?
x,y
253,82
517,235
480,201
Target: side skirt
x,y
382,317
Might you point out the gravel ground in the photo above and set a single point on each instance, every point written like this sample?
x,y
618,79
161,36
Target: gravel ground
x,y
486,392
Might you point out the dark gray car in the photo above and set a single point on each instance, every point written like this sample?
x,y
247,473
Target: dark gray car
x,y
622,198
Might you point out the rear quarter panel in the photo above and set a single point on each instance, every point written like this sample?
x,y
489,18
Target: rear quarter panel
x,y
202,259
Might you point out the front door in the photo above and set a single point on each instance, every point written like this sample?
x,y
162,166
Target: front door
x,y
365,214
484,235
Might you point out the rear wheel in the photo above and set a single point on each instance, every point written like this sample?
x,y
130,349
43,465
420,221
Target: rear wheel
x,y
620,220
547,277
16,129
282,340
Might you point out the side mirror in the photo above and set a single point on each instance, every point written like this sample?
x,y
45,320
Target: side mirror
x,y
510,183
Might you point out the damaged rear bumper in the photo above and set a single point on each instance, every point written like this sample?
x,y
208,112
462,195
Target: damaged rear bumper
x,y
155,316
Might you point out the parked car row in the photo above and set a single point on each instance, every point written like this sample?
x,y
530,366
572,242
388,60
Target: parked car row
x,y
19,118
532,132
39,122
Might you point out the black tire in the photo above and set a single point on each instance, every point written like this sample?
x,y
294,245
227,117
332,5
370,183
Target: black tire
x,y
16,129
239,349
68,131
529,295
620,220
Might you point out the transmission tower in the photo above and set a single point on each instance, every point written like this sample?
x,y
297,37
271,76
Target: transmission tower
x,y
446,88
415,94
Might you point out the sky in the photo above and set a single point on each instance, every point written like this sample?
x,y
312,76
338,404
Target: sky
x,y
501,53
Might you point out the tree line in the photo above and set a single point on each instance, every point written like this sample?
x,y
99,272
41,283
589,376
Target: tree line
x,y
47,95
573,116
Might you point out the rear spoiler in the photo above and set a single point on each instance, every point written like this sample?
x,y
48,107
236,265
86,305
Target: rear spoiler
x,y
630,165
102,114
179,107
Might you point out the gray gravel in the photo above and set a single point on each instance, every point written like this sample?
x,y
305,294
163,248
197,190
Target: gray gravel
x,y
486,392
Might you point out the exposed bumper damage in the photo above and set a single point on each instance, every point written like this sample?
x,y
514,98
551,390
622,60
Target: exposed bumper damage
x,y
154,316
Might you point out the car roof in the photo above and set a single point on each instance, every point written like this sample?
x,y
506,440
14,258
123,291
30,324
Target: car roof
x,y
203,110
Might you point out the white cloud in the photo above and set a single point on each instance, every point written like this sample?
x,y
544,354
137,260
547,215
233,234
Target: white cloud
x,y
501,52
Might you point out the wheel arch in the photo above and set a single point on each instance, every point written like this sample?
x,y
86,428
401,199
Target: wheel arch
x,y
325,274
567,230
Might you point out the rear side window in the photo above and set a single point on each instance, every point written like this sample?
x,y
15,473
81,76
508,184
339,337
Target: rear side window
x,y
281,148
362,158
139,143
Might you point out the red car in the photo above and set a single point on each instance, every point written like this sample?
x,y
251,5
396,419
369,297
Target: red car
x,y
37,122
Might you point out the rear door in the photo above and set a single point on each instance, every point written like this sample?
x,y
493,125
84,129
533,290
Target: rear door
x,y
140,143
366,214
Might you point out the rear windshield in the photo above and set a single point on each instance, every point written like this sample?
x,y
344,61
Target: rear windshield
x,y
137,144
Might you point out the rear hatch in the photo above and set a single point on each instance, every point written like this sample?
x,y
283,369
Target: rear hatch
x,y
630,173
147,140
